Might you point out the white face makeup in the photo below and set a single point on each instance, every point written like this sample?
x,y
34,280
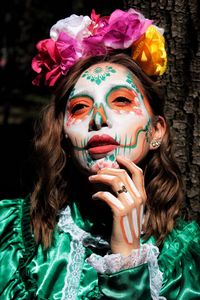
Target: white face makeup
x,y
106,116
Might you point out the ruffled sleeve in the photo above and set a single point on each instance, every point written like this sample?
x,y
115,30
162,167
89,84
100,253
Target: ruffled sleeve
x,y
120,274
16,246
180,262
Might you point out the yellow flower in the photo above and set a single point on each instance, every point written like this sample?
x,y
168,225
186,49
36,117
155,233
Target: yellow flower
x,y
149,52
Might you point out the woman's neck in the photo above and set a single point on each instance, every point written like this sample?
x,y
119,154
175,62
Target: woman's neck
x,y
97,211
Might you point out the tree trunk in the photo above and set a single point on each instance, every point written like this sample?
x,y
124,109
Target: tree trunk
x,y
180,19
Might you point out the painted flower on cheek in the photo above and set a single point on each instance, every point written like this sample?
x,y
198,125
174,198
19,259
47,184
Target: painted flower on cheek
x,y
124,28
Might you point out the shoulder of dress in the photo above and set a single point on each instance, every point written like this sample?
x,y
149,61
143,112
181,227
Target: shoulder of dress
x,y
15,217
184,237
14,214
180,246
11,209
17,247
186,230
9,203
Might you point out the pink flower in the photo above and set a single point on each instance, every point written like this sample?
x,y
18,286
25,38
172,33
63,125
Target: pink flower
x,y
99,24
124,28
69,51
46,63
94,17
54,58
93,46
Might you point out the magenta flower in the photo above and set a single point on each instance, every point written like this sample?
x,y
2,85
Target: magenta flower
x,y
54,58
69,51
93,46
99,24
46,63
124,28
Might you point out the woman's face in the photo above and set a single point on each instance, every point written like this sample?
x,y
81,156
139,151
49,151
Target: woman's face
x,y
107,115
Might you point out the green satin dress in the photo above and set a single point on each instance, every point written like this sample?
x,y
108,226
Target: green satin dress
x,y
61,272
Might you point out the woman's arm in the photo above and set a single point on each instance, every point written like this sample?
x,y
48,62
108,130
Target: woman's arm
x,y
126,201
131,271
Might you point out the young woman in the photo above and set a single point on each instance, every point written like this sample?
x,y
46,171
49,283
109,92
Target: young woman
x,y
103,219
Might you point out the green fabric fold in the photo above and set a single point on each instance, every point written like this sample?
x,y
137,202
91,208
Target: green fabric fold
x,y
127,284
11,251
180,262
29,251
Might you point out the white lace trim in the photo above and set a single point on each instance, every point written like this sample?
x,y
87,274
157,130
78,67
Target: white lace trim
x,y
76,255
117,262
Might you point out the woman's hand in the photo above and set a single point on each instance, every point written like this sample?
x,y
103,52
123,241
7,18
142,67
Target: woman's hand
x,y
127,205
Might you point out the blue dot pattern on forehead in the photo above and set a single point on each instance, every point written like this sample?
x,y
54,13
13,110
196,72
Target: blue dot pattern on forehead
x,y
99,74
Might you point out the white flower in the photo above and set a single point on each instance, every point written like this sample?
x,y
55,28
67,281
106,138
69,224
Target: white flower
x,y
75,26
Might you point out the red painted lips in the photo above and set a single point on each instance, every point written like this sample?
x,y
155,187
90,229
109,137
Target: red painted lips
x,y
100,144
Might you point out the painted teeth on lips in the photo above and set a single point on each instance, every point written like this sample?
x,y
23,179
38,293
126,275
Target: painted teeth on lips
x,y
100,144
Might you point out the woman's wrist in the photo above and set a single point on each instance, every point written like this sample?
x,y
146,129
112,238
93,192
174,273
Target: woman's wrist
x,y
124,249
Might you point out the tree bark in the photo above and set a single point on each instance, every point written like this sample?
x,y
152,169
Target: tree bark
x,y
180,19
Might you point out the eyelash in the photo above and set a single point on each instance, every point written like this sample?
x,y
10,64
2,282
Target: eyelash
x,y
123,100
78,107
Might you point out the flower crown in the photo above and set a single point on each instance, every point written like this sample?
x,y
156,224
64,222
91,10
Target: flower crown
x,y
81,36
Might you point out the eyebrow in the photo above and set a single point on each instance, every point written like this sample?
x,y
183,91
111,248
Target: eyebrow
x,y
80,95
118,87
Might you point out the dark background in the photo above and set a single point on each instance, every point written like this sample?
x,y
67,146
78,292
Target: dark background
x,y
25,22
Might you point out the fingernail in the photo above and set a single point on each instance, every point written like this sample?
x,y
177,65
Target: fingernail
x,y
91,177
94,197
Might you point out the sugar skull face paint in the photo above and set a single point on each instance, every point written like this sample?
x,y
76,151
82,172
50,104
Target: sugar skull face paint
x,y
107,115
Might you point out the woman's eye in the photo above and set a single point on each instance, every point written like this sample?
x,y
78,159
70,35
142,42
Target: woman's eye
x,y
122,101
78,107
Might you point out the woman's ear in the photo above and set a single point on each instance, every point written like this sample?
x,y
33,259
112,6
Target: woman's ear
x,y
158,132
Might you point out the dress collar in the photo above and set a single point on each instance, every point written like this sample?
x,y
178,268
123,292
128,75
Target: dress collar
x,y
70,221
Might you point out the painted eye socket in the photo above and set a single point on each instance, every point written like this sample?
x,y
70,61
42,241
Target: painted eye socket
x,y
123,99
79,107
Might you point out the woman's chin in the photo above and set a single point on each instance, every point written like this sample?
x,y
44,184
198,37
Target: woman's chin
x,y
103,163
97,163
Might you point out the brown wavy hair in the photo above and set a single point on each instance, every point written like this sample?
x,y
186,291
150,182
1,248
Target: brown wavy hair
x,y
162,176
